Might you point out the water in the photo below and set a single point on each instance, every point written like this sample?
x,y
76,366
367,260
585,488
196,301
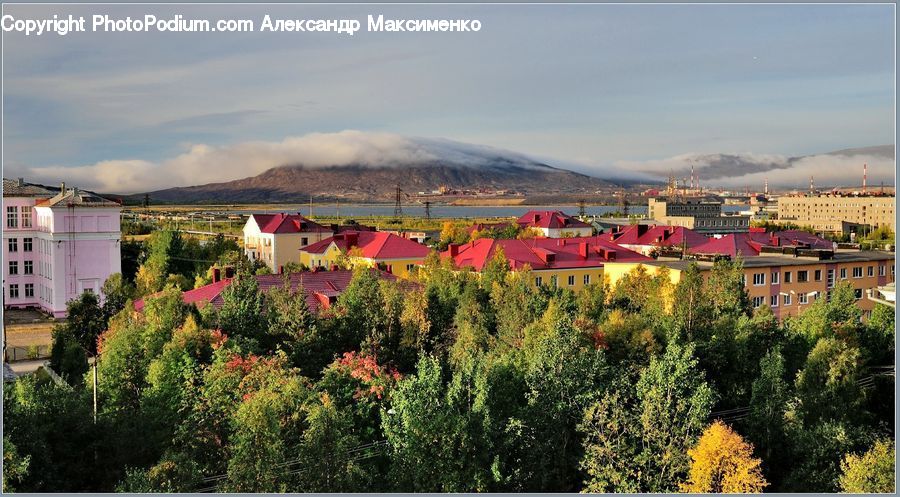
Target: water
x,y
351,211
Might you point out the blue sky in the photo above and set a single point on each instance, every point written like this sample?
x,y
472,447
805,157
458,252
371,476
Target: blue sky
x,y
589,85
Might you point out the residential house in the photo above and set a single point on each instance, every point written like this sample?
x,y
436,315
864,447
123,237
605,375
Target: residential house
x,y
555,224
276,238
395,254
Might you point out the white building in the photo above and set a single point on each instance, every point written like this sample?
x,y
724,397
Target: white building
x,y
56,245
276,239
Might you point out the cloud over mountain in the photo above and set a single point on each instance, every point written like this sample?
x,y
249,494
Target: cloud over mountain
x,y
840,168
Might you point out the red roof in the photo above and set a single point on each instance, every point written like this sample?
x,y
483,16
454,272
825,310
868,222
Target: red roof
x,y
287,223
660,236
550,219
373,244
543,253
745,244
321,287
750,244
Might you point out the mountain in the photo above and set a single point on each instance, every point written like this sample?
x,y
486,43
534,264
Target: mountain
x,y
296,183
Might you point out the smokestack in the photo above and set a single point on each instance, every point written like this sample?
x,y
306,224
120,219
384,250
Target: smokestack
x,y
62,188
767,187
812,188
865,170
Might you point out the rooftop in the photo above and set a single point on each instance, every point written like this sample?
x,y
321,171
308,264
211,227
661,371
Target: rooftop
x,y
785,260
320,287
550,220
372,244
543,253
19,188
287,223
73,197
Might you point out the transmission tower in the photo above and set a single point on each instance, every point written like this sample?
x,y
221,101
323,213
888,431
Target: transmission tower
x,y
581,213
398,208
428,210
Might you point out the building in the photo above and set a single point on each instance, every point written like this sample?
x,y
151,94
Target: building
x,y
562,262
395,254
322,288
790,282
651,239
701,214
756,243
57,245
555,224
276,238
838,214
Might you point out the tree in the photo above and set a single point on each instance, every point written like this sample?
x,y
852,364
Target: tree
x,y
768,405
691,307
67,358
327,451
116,292
495,271
872,472
722,462
85,321
637,436
726,291
242,313
15,466
827,385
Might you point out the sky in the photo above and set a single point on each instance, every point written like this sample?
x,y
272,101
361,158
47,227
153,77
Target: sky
x,y
602,89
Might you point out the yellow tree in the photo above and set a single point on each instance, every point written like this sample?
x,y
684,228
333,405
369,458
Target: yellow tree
x,y
722,462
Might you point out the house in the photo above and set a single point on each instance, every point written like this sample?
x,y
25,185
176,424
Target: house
x,y
559,262
276,238
322,288
398,255
57,245
650,239
555,224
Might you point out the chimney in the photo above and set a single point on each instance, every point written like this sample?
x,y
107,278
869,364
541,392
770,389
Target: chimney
x,y
610,255
536,218
216,275
583,250
774,240
561,242
21,182
352,238
641,229
454,249
62,188
334,267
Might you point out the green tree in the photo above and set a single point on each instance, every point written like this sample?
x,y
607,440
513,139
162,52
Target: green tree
x,y
768,405
637,440
116,292
827,385
328,451
242,315
67,358
15,466
872,472
85,321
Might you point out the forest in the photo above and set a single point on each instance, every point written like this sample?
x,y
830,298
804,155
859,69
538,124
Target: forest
x,y
454,382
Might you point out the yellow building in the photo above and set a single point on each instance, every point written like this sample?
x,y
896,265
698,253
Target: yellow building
x,y
397,255
790,284
830,212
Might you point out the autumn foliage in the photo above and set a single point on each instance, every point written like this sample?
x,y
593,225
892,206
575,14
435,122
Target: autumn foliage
x,y
722,462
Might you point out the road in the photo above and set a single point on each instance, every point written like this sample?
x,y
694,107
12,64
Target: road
x,y
26,367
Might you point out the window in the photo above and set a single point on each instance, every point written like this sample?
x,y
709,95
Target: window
x,y
572,280
390,268
843,273
29,289
759,279
870,271
803,299
410,268
13,244
830,282
817,275
587,279
304,241
29,267
12,217
27,244
858,293
880,270
773,301
802,276
26,216
775,277
788,276
758,301
787,299
13,267
857,272
538,281
13,291
553,281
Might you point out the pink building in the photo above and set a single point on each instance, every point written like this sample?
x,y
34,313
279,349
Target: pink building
x,y
56,245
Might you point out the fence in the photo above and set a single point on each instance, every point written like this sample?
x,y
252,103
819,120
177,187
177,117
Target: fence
x,y
30,353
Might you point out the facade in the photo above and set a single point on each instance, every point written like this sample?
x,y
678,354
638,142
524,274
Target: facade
x,y
831,213
276,238
789,283
555,224
57,245
701,214
322,288
563,262
398,255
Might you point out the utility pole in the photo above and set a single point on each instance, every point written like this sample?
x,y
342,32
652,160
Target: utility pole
x,y
95,389
310,206
428,210
398,209
581,212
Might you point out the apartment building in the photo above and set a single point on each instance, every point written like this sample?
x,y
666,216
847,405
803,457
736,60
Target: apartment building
x,y
56,245
563,262
701,214
789,282
838,214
